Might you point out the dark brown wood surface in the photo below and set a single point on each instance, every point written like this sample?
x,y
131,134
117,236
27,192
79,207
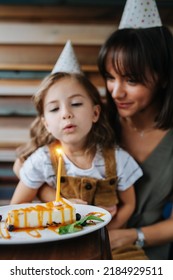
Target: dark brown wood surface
x,y
93,246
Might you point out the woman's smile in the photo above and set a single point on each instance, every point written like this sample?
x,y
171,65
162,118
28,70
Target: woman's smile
x,y
124,105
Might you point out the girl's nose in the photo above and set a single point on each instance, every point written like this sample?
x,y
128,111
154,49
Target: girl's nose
x,y
67,114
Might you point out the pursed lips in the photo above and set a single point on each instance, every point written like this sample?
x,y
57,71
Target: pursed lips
x,y
69,127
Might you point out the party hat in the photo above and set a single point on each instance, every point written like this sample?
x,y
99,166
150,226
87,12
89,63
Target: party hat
x,y
140,14
67,61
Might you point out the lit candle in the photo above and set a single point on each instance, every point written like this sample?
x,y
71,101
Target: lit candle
x,y
58,186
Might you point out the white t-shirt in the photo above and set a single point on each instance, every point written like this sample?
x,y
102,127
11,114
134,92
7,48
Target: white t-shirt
x,y
38,169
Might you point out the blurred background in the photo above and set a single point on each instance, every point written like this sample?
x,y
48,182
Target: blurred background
x,y
32,35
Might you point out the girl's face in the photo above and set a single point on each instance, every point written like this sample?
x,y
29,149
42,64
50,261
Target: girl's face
x,y
130,97
69,112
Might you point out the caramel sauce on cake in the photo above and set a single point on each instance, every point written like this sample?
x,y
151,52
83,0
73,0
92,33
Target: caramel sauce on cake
x,y
4,232
42,215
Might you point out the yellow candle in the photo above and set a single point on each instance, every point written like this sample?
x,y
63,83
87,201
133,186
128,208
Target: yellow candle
x,y
58,186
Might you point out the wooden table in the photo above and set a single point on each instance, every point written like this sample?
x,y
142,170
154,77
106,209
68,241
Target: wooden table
x,y
92,246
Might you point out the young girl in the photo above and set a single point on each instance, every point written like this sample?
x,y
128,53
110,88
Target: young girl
x,y
71,115
137,65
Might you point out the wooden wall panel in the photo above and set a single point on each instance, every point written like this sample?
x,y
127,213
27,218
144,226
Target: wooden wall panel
x,y
31,39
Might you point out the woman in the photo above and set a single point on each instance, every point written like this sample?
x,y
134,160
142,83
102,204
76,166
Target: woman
x,y
137,65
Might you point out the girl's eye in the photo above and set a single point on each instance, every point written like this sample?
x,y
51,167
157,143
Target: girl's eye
x,y
76,104
54,109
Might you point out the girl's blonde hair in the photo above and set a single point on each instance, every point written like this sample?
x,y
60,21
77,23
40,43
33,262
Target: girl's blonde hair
x,y
100,134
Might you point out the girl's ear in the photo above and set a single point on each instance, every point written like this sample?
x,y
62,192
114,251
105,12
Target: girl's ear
x,y
96,113
45,123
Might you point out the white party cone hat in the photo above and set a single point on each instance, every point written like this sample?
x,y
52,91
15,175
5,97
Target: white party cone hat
x,y
140,14
67,61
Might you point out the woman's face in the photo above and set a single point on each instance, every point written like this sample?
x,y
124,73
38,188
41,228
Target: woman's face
x,y
130,97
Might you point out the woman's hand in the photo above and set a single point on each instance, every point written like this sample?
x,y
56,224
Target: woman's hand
x,y
121,237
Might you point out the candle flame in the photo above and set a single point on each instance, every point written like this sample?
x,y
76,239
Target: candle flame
x,y
59,151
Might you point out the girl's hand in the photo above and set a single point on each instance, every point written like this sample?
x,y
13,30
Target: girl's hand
x,y
77,201
112,209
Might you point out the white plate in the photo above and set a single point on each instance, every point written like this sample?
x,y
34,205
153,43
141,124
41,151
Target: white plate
x,y
47,235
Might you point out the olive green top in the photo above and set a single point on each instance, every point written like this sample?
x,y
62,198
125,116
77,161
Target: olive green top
x,y
153,190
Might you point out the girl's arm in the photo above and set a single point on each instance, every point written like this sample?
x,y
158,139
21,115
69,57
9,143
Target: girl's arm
x,y
125,209
46,193
17,166
23,194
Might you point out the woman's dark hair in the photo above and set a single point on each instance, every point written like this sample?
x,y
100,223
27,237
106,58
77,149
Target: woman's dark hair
x,y
142,54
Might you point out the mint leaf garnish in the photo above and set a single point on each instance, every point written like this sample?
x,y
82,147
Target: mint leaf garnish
x,y
78,225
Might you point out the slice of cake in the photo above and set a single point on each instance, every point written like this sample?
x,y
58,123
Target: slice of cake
x,y
42,215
